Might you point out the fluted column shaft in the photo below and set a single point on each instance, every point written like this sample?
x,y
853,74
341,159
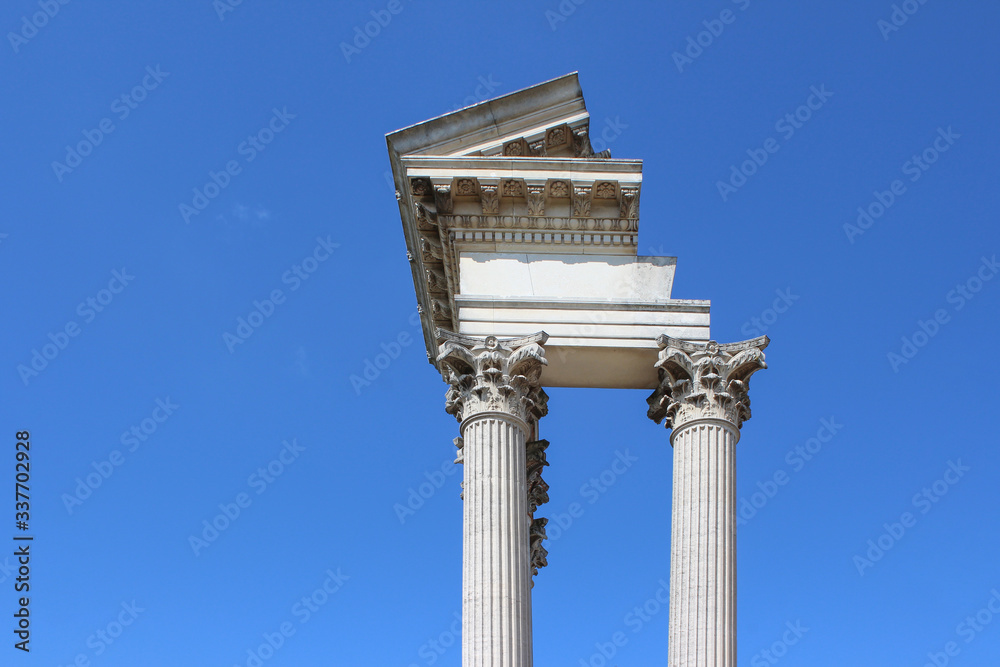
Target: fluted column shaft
x,y
702,625
495,394
496,577
704,397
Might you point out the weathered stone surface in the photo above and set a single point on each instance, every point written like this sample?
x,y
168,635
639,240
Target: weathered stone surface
x,y
517,175
703,396
705,380
495,394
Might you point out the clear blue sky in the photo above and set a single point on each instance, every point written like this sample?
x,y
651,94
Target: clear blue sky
x,y
150,352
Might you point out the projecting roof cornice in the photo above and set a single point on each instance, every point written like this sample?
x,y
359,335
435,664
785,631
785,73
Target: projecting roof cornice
x,y
486,126
513,225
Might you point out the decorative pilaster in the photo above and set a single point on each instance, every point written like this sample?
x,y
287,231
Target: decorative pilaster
x,y
495,395
703,396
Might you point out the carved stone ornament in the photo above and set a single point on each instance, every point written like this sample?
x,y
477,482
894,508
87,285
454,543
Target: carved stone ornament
x,y
536,200
512,188
490,199
493,375
705,380
442,199
557,137
605,190
431,248
460,460
537,488
581,142
425,218
539,555
420,186
436,280
516,148
440,309
630,203
581,202
466,187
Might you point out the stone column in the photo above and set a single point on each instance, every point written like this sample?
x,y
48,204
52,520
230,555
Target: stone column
x,y
496,397
703,397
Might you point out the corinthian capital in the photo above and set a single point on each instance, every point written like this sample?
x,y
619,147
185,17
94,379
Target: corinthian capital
x,y
705,380
493,375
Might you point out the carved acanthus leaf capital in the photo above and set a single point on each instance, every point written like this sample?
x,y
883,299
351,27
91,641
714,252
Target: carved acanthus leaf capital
x,y
705,380
493,375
